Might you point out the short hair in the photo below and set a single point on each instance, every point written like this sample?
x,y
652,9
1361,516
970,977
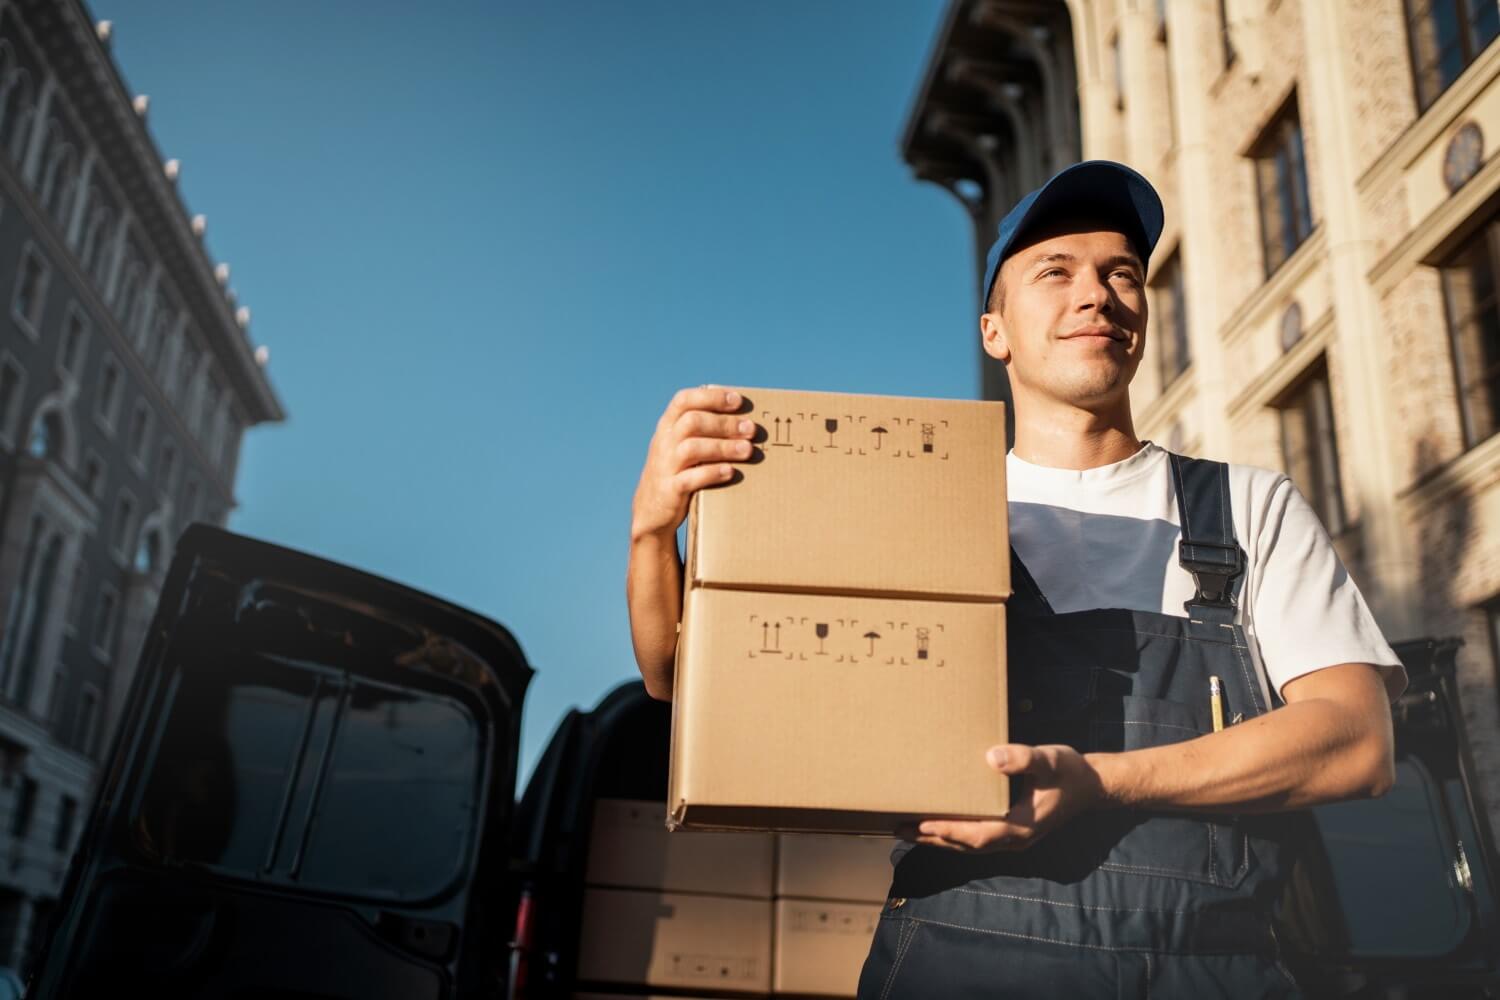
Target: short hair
x,y
996,301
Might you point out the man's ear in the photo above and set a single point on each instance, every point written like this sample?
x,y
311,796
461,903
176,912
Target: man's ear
x,y
992,333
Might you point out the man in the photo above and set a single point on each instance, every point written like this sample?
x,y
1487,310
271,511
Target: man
x,y
1163,607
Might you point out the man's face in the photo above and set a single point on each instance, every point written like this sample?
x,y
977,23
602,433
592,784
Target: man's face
x,y
1072,323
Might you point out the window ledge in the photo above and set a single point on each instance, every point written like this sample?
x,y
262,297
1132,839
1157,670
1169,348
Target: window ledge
x,y
1275,289
1425,129
1274,380
1474,470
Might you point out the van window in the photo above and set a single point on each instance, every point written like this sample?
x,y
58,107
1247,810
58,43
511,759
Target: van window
x,y
1393,861
309,777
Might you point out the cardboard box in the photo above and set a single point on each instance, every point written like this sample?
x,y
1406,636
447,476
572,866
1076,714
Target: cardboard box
x,y
629,848
840,666
675,940
804,712
821,946
879,495
815,866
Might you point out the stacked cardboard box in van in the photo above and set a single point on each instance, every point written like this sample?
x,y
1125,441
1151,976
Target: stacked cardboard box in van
x,y
686,912
841,664
829,894
695,911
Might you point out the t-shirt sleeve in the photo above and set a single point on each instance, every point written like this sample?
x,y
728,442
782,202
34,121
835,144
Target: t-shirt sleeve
x,y
1307,612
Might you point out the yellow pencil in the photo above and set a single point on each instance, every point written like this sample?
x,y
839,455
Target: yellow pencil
x,y
1216,702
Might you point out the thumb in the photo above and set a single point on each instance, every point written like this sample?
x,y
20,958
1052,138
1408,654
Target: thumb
x,y
1016,758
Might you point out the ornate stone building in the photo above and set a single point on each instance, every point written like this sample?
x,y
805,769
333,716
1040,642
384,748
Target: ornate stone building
x,y
126,382
1326,296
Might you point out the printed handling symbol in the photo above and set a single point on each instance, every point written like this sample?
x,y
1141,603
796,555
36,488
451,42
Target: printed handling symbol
x,y
820,629
880,433
922,640
781,431
831,425
770,637
927,430
872,636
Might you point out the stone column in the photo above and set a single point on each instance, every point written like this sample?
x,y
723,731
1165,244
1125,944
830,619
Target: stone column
x,y
1102,137
1198,214
1364,359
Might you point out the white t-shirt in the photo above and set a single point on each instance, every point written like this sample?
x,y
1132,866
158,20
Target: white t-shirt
x,y
1107,538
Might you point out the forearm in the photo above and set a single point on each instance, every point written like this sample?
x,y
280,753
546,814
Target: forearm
x,y
653,591
1319,749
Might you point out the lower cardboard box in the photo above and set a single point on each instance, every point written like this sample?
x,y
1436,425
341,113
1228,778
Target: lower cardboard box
x,y
820,946
676,940
630,848
816,713
823,866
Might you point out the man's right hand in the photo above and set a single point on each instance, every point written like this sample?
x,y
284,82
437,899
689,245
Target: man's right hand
x,y
696,439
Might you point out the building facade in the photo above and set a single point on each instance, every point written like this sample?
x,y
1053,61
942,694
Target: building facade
x,y
126,382
1325,299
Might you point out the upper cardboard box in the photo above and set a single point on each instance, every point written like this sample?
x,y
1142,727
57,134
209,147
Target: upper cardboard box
x,y
878,495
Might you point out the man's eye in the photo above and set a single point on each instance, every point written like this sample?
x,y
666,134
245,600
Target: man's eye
x,y
1128,275
1050,272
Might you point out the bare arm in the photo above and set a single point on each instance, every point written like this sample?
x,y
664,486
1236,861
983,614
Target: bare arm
x,y
1331,741
696,440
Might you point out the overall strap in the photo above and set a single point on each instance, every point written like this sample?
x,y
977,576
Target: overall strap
x,y
1207,549
1026,598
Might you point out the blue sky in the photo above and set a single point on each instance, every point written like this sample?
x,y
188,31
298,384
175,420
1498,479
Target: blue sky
x,y
485,242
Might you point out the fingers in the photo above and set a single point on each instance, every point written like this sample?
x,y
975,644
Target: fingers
x,y
703,398
964,835
701,423
701,476
1017,758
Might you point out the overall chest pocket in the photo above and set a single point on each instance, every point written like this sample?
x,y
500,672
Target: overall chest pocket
x,y
1200,847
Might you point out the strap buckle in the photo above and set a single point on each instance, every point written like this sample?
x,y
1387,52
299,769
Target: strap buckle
x,y
1214,566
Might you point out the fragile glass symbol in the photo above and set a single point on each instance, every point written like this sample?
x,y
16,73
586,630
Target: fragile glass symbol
x,y
821,630
830,425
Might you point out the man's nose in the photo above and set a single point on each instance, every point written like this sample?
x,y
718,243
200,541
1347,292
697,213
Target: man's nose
x,y
1094,293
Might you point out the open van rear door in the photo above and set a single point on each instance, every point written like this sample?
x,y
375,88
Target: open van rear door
x,y
309,793
1403,900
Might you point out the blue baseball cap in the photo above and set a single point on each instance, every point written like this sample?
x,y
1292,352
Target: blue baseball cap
x,y
1102,189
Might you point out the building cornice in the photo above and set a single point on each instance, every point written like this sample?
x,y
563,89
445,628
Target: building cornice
x,y
96,91
1257,306
1419,136
1431,237
104,322
1276,378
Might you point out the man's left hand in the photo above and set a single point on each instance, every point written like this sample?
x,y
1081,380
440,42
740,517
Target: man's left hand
x,y
1057,783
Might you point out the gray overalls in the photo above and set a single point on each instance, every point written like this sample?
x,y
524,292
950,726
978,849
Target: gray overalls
x,y
1117,903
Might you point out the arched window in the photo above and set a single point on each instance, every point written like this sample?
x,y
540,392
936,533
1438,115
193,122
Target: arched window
x,y
95,237
148,552
34,622
18,602
15,108
29,607
46,436
58,179
25,114
127,301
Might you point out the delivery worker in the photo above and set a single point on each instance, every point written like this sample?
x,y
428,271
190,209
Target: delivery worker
x,y
1190,664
